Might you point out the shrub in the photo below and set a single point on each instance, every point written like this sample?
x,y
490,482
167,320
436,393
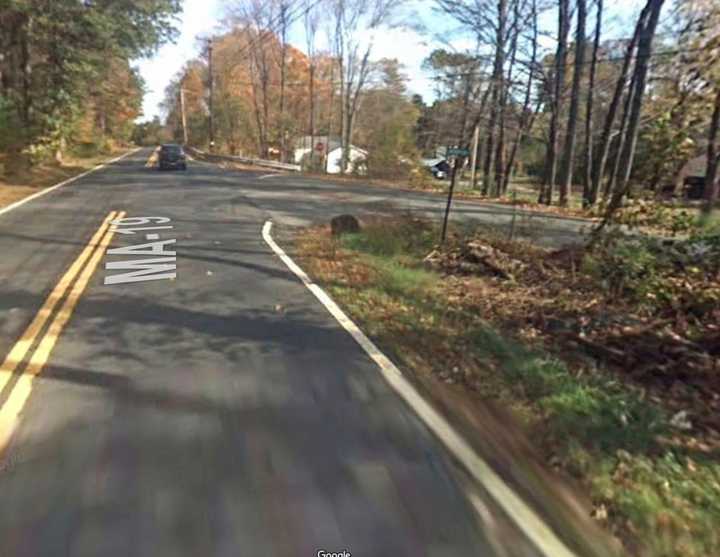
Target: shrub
x,y
405,236
649,212
419,177
657,273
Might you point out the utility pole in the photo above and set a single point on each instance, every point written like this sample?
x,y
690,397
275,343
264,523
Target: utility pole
x,y
183,116
212,90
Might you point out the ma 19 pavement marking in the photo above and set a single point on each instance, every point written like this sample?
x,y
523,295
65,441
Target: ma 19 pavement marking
x,y
162,266
64,183
13,405
539,533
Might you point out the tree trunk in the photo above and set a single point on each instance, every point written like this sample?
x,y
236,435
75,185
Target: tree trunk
x,y
525,129
490,140
26,72
473,157
568,163
524,119
611,181
465,110
283,56
312,115
500,181
601,158
559,85
497,98
353,102
260,82
331,115
587,181
476,123
344,147
641,70
345,85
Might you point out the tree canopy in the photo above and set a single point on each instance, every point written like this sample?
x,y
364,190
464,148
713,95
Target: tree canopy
x,y
66,63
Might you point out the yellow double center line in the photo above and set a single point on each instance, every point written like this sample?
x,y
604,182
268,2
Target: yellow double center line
x,y
82,269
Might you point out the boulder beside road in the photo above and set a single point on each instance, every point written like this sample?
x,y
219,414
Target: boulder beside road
x,y
344,224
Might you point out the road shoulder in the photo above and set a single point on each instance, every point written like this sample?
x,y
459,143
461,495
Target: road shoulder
x,y
555,519
47,177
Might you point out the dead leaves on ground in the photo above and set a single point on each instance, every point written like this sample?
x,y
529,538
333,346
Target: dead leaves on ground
x,y
546,296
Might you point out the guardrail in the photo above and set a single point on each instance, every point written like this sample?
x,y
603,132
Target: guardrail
x,y
243,160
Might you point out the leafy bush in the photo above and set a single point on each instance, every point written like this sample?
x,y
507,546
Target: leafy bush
x,y
419,177
658,273
314,163
11,129
626,267
651,213
89,149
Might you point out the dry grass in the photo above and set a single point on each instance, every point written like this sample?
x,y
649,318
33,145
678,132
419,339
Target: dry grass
x,y
44,175
9,194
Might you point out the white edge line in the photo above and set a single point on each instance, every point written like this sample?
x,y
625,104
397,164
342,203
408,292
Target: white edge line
x,y
539,533
269,175
64,183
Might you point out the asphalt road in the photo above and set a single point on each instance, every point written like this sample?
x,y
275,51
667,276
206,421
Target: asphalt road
x,y
296,200
220,412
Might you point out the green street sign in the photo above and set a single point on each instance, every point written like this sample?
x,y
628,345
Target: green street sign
x,y
457,152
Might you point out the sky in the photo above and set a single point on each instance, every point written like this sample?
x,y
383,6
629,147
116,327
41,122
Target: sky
x,y
199,17
202,17
409,46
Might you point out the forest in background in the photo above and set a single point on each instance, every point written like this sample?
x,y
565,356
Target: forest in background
x,y
592,120
595,119
66,79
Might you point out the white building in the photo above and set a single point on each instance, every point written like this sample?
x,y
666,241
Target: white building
x,y
356,162
334,155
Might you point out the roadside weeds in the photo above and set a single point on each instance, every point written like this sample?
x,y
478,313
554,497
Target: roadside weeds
x,y
661,498
45,175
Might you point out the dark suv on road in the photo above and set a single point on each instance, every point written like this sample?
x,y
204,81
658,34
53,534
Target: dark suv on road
x,y
171,156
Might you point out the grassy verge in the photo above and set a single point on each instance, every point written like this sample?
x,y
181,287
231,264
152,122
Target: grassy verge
x,y
36,178
654,485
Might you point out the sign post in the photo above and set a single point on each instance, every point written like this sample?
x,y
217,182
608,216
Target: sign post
x,y
449,200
